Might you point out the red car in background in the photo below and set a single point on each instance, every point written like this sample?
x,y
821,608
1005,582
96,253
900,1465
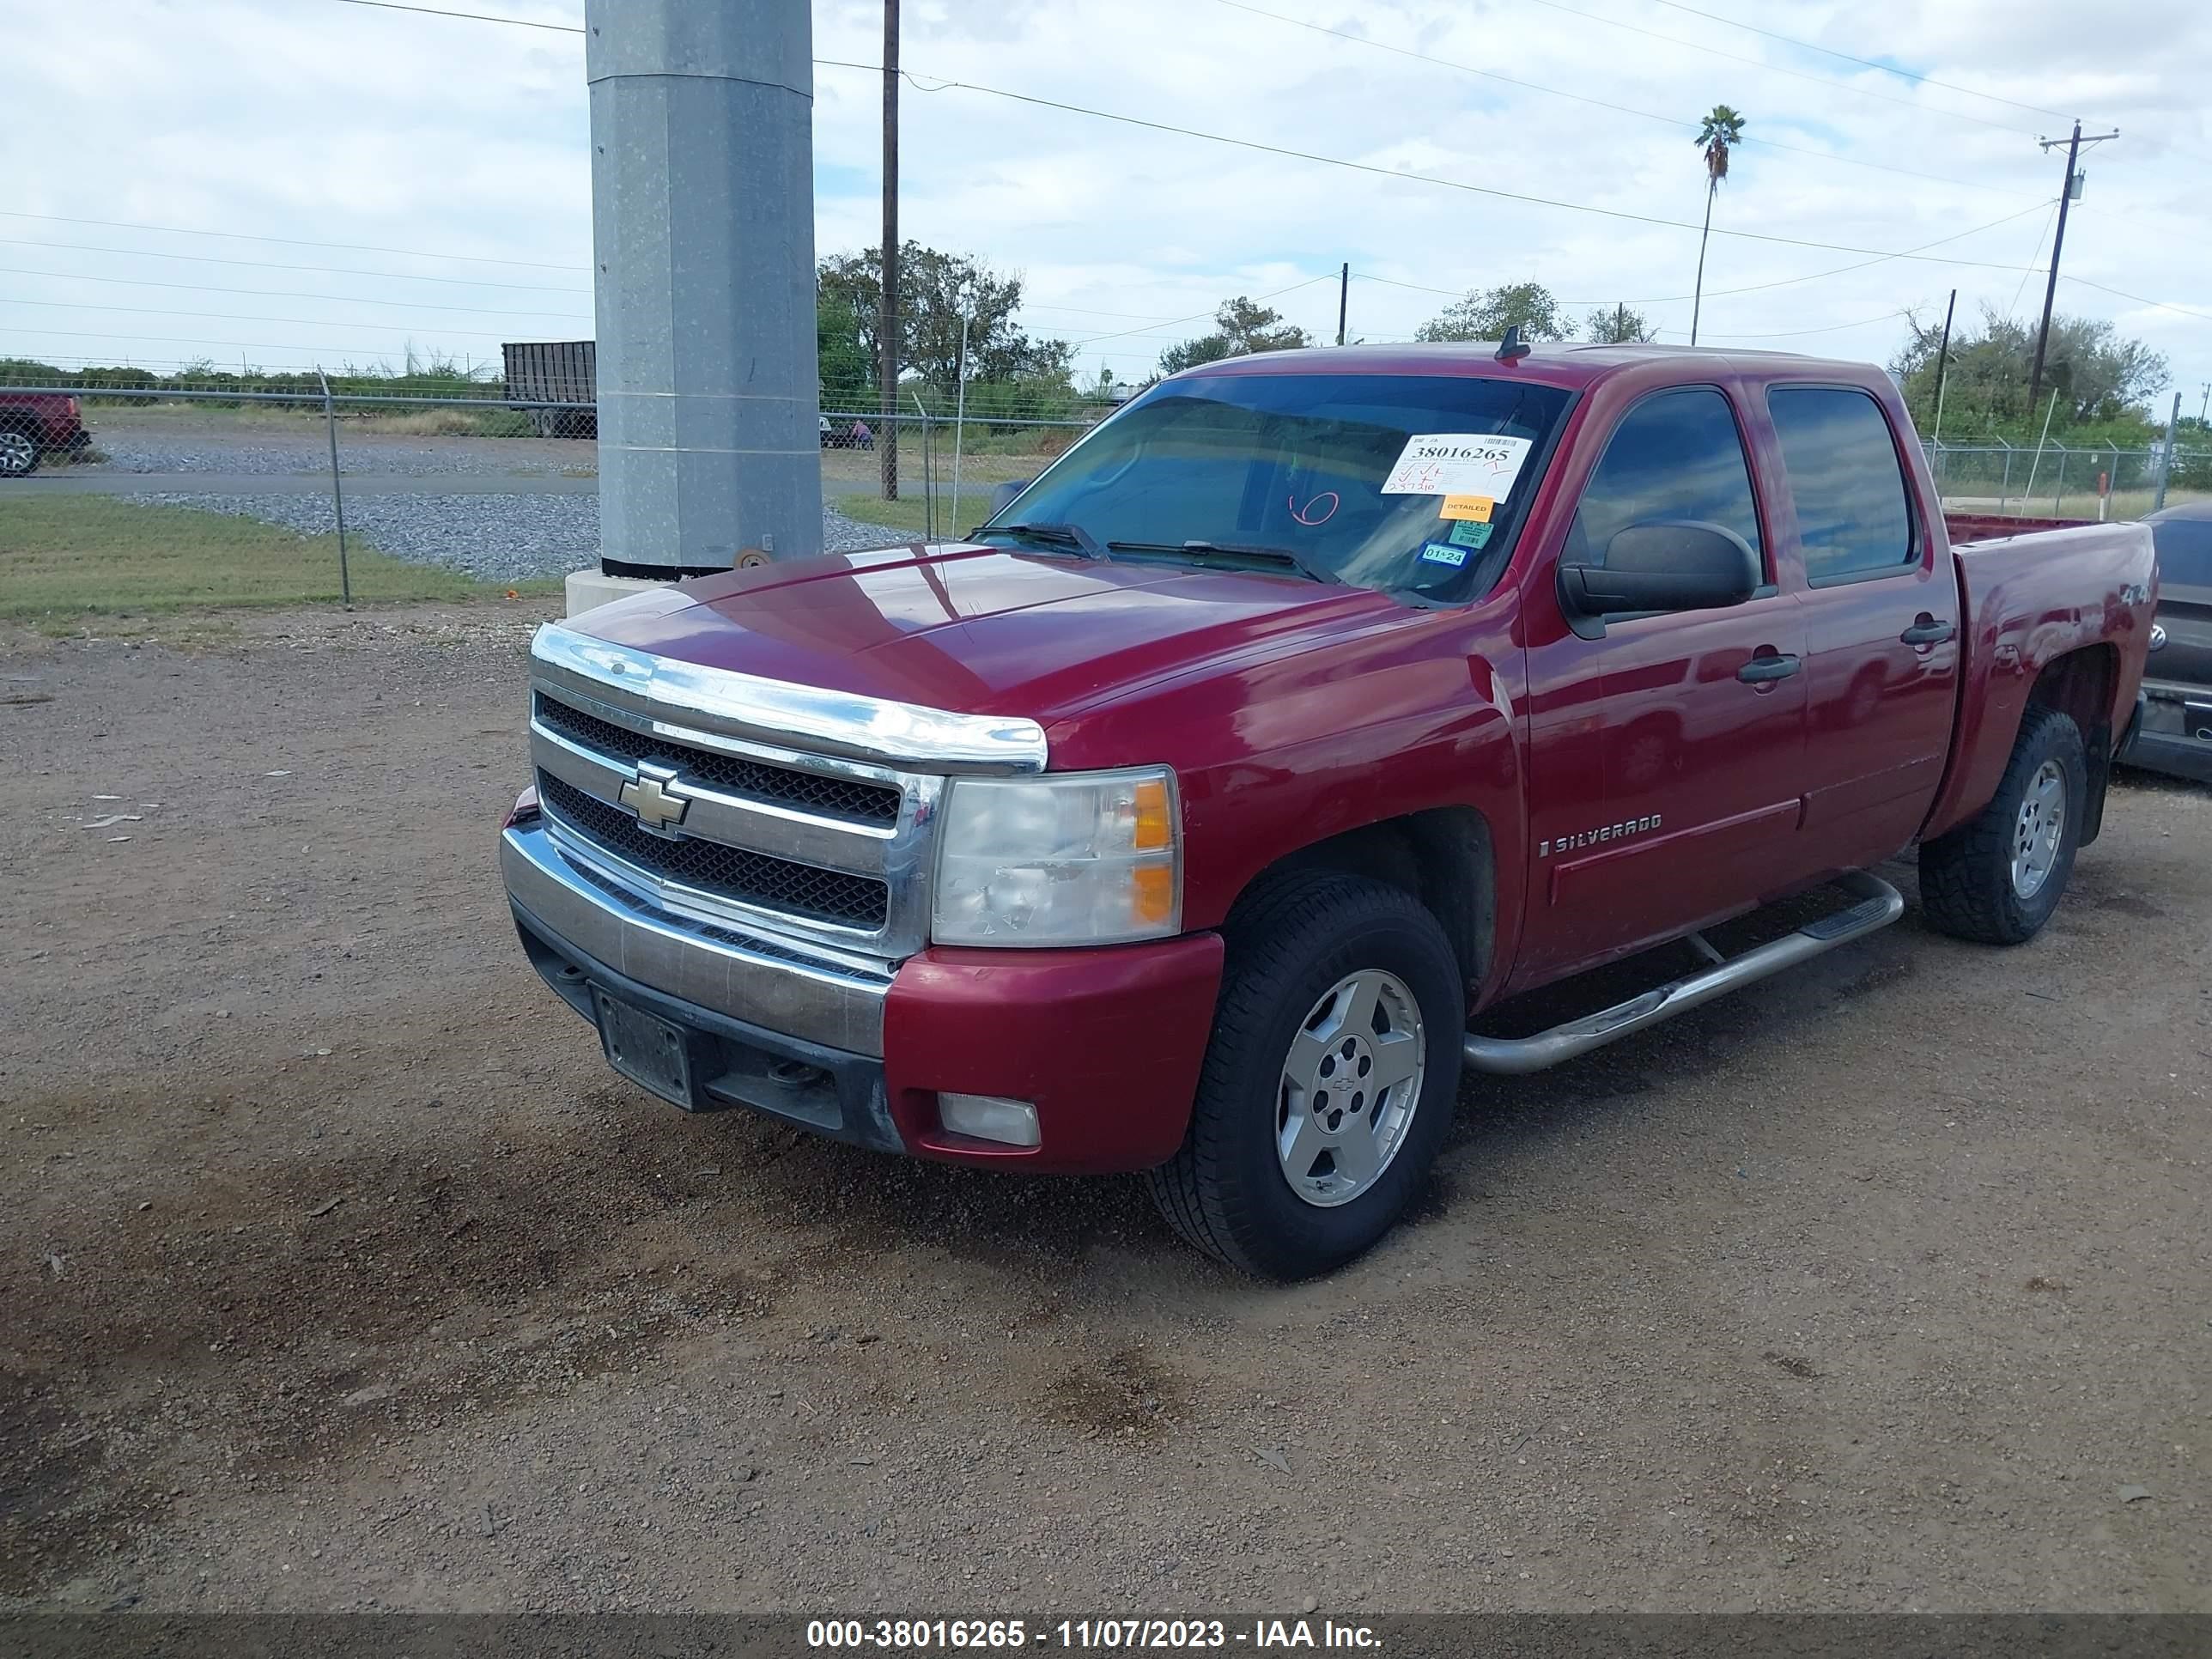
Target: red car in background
x,y
36,424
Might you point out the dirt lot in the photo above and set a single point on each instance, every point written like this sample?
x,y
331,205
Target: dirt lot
x,y
339,1272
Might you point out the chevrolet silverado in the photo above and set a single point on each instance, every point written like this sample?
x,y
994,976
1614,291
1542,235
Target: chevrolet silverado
x,y
1182,818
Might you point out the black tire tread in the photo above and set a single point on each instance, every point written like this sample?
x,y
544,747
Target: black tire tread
x,y
1271,929
1966,887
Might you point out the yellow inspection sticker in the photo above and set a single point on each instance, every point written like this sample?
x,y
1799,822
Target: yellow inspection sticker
x,y
1476,507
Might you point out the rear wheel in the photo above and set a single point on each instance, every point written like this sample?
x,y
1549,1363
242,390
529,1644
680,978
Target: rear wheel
x,y
1329,1081
1996,878
19,452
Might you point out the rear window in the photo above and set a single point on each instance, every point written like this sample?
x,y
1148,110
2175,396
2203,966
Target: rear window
x,y
1853,516
2185,552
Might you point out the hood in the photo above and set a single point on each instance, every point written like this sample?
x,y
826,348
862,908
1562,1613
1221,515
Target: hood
x,y
983,630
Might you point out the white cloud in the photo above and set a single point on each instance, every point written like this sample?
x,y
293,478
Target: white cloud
x,y
335,123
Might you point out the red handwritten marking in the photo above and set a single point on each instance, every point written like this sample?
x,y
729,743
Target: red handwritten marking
x,y
1301,513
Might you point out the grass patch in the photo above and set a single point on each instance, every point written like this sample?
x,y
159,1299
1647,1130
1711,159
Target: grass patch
x,y
910,513
442,423
68,556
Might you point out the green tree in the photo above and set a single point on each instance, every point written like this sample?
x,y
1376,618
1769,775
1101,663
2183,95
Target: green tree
x,y
936,290
1618,325
1721,131
1241,327
1486,314
846,369
2099,377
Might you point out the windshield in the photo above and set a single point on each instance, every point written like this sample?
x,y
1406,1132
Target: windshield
x,y
1406,484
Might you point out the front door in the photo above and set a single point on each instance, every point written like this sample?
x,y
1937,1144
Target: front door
x,y
1881,620
1663,755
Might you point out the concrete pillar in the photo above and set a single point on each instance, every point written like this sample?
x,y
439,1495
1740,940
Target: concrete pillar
x,y
702,228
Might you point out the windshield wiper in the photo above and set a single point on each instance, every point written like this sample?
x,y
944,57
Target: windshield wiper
x,y
1060,535
1284,556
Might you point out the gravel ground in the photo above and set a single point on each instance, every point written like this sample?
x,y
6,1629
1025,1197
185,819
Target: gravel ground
x,y
173,448
496,537
340,1272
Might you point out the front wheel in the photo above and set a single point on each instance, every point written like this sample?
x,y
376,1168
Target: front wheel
x,y
1329,1080
1996,877
19,452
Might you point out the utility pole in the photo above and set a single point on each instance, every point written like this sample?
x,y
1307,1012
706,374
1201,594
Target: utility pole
x,y
2165,459
1343,298
2204,403
2057,242
887,314
702,189
1943,367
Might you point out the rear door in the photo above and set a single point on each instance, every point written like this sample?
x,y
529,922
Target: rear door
x,y
1881,616
1663,753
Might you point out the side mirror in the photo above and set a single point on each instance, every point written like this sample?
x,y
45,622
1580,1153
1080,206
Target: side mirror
x,y
1003,496
1677,565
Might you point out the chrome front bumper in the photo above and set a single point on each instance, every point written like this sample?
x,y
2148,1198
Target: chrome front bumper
x,y
759,983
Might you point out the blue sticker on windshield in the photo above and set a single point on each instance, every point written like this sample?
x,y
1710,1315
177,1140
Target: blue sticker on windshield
x,y
1443,553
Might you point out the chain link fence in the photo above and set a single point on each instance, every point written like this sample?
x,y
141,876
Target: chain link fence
x,y
455,470
446,469
2062,481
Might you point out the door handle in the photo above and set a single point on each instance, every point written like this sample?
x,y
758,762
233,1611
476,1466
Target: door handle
x,y
1928,631
1761,668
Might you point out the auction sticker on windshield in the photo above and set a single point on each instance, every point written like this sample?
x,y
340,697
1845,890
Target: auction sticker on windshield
x,y
1457,464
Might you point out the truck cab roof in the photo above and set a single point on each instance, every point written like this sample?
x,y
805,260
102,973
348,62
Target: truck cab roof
x,y
1566,365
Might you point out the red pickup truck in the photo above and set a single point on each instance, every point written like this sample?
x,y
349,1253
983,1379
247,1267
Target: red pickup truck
x,y
1182,817
36,424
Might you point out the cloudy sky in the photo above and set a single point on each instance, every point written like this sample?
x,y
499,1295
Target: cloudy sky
x,y
357,181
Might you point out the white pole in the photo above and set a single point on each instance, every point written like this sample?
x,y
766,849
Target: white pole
x,y
2036,465
959,422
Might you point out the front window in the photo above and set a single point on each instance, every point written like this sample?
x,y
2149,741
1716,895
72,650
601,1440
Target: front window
x,y
1411,484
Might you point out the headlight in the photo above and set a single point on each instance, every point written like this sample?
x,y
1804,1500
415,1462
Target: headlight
x,y
1084,858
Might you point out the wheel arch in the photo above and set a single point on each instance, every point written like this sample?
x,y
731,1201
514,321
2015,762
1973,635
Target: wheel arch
x,y
2080,686
1444,856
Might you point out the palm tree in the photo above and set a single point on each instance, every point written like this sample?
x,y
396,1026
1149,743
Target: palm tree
x,y
1721,129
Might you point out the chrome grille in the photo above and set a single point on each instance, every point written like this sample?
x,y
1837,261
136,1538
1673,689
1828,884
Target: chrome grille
x,y
809,792
723,872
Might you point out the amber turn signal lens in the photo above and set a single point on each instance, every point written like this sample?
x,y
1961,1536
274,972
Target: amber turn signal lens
x,y
1152,831
1153,901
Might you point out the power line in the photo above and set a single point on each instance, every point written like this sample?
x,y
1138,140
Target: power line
x,y
1794,334
216,316
1401,177
1752,287
468,16
287,241
179,339
1864,63
1195,316
284,293
2033,256
914,80
1581,98
2157,305
266,264
1777,69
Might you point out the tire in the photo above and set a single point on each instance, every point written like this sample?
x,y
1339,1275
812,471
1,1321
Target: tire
x,y
1980,881
19,452
1295,941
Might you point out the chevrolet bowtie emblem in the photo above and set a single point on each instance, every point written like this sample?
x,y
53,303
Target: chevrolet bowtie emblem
x,y
647,795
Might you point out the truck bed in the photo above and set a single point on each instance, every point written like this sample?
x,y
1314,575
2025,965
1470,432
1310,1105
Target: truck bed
x,y
2028,599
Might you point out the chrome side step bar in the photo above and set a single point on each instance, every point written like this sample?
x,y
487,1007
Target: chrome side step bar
x,y
1878,905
